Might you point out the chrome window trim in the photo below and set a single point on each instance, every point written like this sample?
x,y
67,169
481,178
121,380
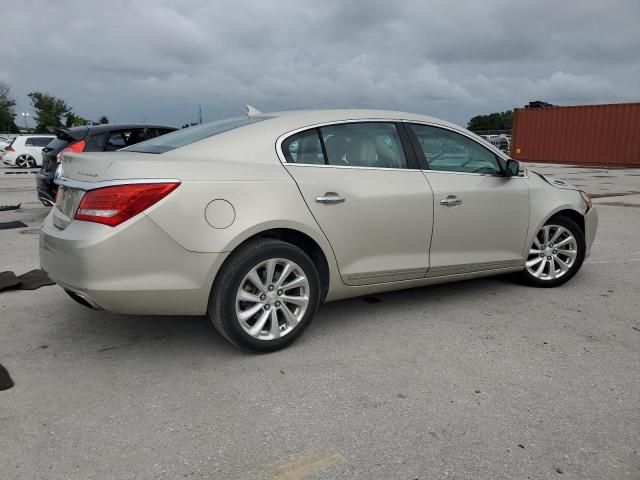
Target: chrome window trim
x,y
353,167
524,175
79,184
464,133
473,139
280,140
290,133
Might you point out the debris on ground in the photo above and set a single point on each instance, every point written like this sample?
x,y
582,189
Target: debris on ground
x,y
28,281
14,224
5,379
6,208
8,280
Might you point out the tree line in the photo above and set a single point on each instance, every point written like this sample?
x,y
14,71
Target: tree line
x,y
49,111
493,121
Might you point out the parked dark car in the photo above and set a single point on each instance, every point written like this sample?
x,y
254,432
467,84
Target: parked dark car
x,y
95,138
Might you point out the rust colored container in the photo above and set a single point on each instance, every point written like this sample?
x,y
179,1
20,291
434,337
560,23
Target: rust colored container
x,y
582,135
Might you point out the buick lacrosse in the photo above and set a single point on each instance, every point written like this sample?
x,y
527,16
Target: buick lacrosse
x,y
256,220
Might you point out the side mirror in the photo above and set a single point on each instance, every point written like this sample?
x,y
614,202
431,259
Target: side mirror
x,y
513,168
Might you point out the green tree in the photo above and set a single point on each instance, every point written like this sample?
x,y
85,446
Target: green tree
x,y
103,120
493,121
74,120
49,110
7,114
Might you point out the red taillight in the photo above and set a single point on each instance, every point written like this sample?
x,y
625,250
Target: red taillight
x,y
114,205
9,149
76,147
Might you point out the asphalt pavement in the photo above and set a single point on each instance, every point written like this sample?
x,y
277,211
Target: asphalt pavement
x,y
484,379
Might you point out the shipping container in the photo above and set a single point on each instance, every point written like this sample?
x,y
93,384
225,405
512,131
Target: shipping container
x,y
582,135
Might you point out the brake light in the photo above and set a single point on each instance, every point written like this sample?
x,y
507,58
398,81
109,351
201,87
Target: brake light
x,y
113,205
75,147
9,149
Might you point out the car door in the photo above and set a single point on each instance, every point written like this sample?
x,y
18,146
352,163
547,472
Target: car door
x,y
369,197
481,217
31,147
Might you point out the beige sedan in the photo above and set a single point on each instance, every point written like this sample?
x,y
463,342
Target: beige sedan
x,y
257,220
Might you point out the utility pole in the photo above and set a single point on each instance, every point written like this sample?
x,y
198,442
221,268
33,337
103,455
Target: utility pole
x,y
200,114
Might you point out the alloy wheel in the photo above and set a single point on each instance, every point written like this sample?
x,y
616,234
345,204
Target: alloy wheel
x,y
553,253
25,161
272,299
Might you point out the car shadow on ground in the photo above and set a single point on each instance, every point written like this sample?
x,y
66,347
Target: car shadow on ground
x,y
113,335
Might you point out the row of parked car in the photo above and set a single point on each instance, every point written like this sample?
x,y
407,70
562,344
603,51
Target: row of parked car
x,y
45,150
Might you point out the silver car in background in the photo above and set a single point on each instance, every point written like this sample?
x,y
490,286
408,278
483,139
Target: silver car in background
x,y
256,220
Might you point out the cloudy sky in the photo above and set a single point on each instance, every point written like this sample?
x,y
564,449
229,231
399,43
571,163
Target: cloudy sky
x,y
157,59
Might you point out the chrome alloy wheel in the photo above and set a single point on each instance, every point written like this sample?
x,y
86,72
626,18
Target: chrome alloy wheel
x,y
553,253
272,299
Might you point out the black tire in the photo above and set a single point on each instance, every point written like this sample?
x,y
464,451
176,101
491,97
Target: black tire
x,y
529,279
222,308
29,161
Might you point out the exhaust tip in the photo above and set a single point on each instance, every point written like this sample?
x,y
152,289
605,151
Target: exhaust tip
x,y
83,300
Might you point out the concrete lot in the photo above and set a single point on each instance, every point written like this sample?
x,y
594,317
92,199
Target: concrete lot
x,y
484,379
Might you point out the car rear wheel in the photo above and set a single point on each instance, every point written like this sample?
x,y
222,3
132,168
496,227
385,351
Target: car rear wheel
x,y
556,254
26,161
265,295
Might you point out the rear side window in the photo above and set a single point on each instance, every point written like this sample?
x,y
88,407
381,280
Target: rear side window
x,y
190,135
115,141
304,147
366,144
37,141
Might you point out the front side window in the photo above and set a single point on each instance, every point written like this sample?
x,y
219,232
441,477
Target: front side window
x,y
452,152
366,144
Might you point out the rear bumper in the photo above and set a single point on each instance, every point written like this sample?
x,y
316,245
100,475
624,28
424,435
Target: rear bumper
x,y
591,227
135,268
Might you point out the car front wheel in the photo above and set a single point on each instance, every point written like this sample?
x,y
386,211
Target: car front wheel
x,y
265,295
556,254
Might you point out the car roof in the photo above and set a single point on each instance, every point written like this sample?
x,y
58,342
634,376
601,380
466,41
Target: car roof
x,y
293,119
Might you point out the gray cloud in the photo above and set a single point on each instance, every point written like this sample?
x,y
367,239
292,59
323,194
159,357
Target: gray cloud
x,y
157,59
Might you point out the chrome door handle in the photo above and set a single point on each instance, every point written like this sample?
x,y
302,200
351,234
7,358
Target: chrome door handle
x,y
451,201
329,198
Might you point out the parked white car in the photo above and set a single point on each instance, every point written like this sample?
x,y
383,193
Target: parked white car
x,y
257,220
25,151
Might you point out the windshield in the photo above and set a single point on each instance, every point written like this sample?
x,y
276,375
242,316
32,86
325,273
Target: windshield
x,y
186,136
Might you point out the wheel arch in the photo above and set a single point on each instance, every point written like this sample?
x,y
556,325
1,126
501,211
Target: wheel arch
x,y
572,214
566,210
294,236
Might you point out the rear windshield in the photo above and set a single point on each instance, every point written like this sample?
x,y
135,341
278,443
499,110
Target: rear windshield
x,y
186,136
57,144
